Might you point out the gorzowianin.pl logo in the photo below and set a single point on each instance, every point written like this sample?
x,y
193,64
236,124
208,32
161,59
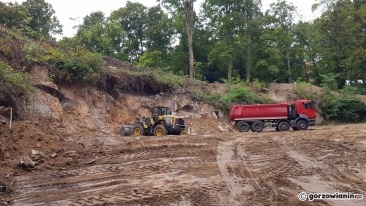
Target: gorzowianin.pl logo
x,y
303,196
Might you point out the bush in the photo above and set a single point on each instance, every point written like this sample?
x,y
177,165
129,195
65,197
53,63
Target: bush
x,y
257,85
329,81
13,82
81,66
214,99
304,90
239,93
347,109
167,78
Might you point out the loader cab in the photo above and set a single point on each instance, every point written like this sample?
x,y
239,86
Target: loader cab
x,y
157,112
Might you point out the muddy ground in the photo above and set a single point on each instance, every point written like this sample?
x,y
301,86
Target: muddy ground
x,y
267,168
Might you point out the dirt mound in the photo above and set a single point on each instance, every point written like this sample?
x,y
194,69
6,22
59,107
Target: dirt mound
x,y
25,139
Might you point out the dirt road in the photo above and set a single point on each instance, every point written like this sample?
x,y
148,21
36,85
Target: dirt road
x,y
268,168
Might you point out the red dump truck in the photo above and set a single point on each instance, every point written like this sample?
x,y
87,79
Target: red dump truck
x,y
299,115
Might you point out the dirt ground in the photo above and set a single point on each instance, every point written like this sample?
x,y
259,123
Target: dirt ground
x,y
267,168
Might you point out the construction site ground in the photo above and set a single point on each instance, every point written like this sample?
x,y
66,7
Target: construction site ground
x,y
267,168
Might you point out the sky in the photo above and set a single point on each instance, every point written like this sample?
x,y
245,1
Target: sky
x,y
78,9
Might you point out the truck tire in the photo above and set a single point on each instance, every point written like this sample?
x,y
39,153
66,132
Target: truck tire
x,y
138,131
302,125
243,127
160,131
284,126
257,126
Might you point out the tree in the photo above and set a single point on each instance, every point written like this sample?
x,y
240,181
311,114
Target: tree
x,y
102,35
159,31
133,20
307,38
283,12
235,25
184,8
341,49
92,32
43,21
14,16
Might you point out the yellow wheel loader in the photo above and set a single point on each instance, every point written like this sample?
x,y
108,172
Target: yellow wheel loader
x,y
161,123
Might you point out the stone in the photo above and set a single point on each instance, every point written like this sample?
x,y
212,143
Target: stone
x,y
2,155
27,163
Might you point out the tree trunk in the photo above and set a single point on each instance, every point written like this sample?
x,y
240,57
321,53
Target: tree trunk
x,y
289,66
188,6
249,57
191,57
229,71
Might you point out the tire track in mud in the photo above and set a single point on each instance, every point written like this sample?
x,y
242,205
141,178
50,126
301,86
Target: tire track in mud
x,y
236,173
265,165
118,183
325,176
224,161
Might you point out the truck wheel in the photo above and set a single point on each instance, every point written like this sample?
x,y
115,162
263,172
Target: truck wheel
x,y
138,131
284,126
160,131
257,126
302,125
243,127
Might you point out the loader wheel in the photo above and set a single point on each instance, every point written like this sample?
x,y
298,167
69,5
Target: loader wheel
x,y
160,131
302,125
138,131
257,126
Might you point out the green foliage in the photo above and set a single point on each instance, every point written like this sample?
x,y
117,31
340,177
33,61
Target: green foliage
x,y
35,18
157,76
76,66
214,99
14,16
236,94
361,89
304,90
12,82
346,109
132,19
42,18
151,59
167,78
329,81
239,93
221,54
350,91
257,85
33,52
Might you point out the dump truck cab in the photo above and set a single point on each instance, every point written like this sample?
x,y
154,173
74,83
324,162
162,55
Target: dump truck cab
x,y
303,109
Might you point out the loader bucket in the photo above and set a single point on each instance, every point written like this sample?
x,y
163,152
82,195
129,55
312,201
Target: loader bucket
x,y
126,130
